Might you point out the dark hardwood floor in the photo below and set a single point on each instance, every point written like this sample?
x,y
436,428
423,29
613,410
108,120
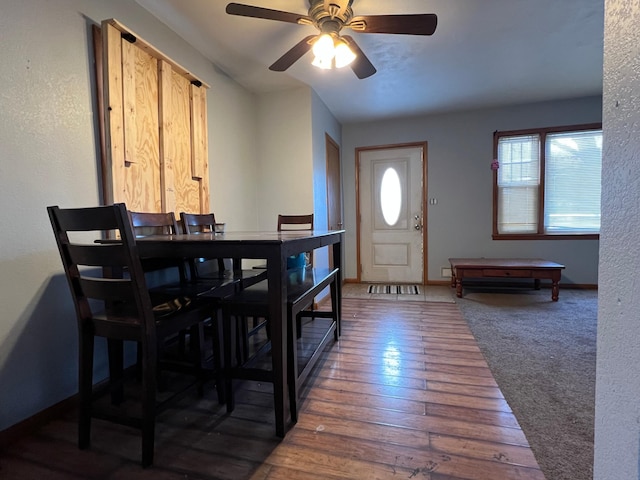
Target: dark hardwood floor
x,y
405,394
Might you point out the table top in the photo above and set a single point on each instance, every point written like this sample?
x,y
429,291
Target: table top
x,y
514,263
241,236
236,244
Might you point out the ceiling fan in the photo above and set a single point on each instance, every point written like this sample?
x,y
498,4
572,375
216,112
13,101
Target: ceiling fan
x,y
330,17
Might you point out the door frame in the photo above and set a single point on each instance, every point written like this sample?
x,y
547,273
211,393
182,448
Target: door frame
x,y
359,150
337,199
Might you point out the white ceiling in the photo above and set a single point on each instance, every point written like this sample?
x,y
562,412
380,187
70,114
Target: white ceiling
x,y
484,53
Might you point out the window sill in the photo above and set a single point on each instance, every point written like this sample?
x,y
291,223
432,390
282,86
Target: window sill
x,y
546,236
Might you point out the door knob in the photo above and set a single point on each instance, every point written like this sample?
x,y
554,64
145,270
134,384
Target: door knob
x,y
417,226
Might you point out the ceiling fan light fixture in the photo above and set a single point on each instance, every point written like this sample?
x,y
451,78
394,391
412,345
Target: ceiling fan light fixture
x,y
322,63
323,48
343,54
330,49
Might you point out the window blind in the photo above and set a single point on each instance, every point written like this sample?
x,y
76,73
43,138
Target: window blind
x,y
518,183
572,205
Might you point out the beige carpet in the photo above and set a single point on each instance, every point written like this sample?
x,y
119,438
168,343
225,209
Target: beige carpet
x,y
543,356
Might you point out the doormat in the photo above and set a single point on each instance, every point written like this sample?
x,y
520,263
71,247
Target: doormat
x,y
401,289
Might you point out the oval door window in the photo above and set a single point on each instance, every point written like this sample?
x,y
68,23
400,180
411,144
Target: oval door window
x,y
390,196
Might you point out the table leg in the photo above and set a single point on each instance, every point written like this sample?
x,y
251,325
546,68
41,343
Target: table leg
x,y
276,271
337,263
555,287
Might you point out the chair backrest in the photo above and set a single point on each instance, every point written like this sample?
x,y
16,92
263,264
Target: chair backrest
x,y
200,223
148,223
153,223
90,266
295,222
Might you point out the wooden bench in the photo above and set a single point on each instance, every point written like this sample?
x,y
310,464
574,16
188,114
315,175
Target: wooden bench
x,y
534,268
303,285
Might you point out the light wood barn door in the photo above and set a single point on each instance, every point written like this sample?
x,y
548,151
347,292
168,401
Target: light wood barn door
x,y
156,157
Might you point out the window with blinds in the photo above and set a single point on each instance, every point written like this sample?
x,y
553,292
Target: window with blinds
x,y
518,183
548,182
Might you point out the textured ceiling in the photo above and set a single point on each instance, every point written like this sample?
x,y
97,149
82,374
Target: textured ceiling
x,y
484,53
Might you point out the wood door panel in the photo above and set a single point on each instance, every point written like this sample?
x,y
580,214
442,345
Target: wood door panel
x,y
391,255
180,147
142,157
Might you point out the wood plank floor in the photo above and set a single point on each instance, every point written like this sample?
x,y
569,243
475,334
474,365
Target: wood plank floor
x,y
405,393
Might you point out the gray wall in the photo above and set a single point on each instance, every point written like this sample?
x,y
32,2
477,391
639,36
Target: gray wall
x,y
459,154
49,155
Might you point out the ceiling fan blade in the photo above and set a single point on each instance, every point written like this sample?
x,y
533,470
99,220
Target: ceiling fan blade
x,y
361,66
408,24
266,13
293,55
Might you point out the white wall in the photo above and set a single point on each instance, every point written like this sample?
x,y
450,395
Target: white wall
x,y
291,158
459,154
233,175
284,156
617,425
49,155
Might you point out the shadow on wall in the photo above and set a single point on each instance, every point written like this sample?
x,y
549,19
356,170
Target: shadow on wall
x,y
39,355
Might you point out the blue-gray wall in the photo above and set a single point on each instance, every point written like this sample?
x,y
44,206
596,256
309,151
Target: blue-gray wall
x,y
459,155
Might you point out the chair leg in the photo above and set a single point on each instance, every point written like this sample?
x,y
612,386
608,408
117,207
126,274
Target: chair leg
x,y
228,336
149,386
197,353
85,380
218,355
115,349
242,339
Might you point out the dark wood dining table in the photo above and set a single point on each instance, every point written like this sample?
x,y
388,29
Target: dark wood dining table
x,y
275,248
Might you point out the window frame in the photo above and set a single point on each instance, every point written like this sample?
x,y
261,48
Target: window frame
x,y
541,234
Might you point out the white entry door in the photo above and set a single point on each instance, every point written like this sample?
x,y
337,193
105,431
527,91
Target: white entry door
x,y
391,184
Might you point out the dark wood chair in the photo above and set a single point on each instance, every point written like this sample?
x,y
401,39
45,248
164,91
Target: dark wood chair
x,y
229,270
297,222
111,299
152,223
235,277
161,272
293,223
